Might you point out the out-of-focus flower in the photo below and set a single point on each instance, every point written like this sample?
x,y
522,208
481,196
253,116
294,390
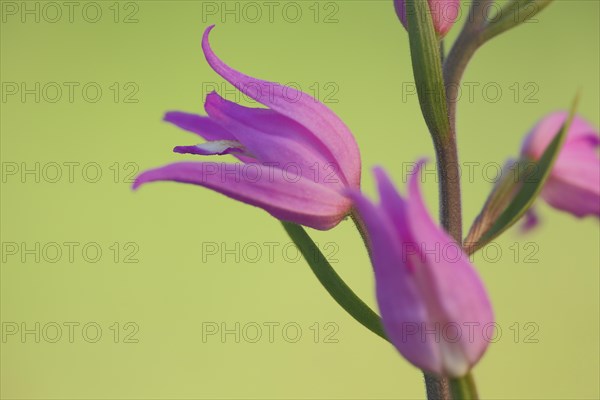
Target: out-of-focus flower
x,y
574,182
297,156
433,305
443,12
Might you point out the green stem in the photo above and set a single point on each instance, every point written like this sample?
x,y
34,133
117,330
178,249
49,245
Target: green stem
x,y
455,65
463,388
449,175
360,226
332,282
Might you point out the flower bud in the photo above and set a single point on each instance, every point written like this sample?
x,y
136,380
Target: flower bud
x,y
574,183
434,307
443,12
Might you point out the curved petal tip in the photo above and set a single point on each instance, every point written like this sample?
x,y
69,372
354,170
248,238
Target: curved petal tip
x,y
205,36
137,183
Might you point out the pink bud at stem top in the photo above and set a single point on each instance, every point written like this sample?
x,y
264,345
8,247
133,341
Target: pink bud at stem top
x,y
443,13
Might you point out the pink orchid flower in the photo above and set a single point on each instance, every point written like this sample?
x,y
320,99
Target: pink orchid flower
x,y
297,156
443,12
433,305
574,182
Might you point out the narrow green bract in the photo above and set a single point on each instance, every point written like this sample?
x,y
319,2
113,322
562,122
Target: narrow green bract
x,y
427,69
513,14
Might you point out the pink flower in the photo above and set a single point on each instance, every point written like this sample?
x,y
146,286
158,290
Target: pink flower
x,y
443,12
574,183
297,157
433,305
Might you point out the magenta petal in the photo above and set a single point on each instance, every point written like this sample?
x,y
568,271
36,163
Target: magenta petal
x,y
544,131
300,201
456,294
201,126
393,205
400,304
275,140
530,220
576,199
433,305
319,120
578,165
574,183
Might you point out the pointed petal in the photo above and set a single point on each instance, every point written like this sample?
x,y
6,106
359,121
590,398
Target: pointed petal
x,y
393,204
319,120
456,295
275,140
201,126
300,201
400,303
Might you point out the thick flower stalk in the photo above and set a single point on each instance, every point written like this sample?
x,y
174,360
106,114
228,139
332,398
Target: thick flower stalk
x,y
443,13
574,182
433,305
297,157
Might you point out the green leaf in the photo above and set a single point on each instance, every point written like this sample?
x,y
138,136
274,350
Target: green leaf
x,y
427,68
332,282
515,193
513,14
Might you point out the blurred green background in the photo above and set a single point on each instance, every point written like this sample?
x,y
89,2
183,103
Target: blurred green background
x,y
123,286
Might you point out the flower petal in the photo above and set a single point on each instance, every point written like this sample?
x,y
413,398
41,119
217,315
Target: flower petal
x,y
574,185
578,164
541,135
296,200
319,120
275,140
530,220
573,198
400,304
456,296
201,126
